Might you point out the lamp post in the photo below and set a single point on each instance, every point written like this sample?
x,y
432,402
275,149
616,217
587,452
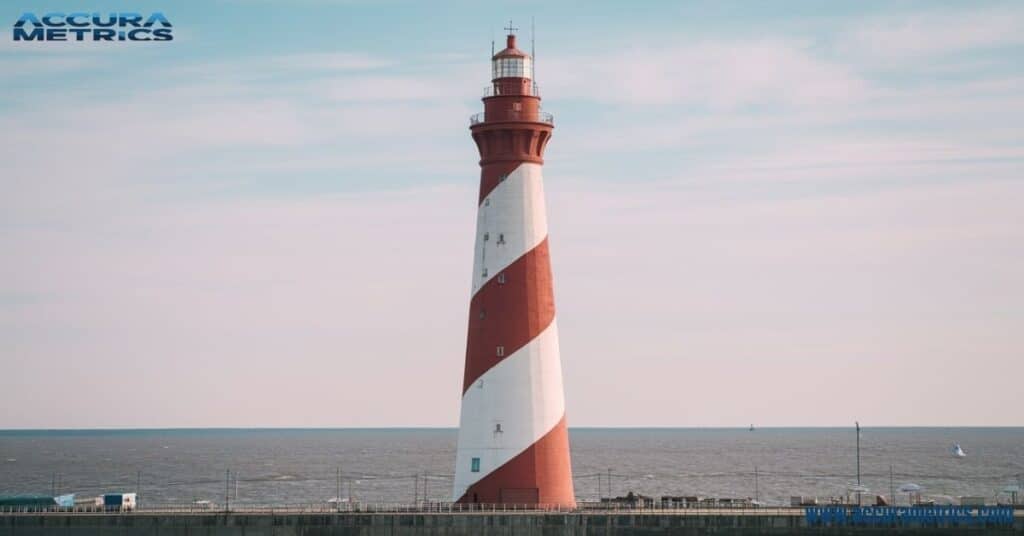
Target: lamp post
x,y
757,490
857,424
892,488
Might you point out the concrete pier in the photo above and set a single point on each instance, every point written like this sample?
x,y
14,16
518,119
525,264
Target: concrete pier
x,y
633,523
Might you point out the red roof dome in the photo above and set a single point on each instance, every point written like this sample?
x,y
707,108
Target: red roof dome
x,y
511,51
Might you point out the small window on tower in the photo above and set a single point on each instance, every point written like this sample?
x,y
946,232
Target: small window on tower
x,y
487,236
475,465
500,351
501,278
517,106
501,238
483,314
484,274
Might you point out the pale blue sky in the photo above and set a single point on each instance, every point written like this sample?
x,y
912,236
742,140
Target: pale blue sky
x,y
796,213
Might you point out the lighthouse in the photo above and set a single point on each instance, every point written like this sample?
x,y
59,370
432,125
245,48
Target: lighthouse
x,y
513,445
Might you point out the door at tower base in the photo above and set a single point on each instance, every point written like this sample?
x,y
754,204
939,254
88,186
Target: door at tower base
x,y
526,496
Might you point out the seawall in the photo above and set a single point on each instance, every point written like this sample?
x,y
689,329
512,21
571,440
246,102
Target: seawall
x,y
449,524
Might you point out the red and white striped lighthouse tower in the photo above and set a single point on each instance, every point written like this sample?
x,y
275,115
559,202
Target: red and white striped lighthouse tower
x,y
513,445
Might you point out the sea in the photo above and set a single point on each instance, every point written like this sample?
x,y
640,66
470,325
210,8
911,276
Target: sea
x,y
407,465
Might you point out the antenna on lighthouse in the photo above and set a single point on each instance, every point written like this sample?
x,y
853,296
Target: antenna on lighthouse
x,y
492,41
533,51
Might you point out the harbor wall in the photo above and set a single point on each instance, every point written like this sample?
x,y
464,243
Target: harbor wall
x,y
445,524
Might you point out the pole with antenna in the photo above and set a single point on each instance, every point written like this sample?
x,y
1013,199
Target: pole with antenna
x,y
757,489
892,487
857,424
533,49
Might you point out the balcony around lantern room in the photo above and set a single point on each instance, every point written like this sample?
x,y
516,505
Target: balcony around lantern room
x,y
533,117
495,90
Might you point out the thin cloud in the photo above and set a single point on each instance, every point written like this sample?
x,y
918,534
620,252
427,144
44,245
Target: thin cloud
x,y
895,39
719,75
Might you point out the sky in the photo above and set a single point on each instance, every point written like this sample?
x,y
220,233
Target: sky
x,y
780,213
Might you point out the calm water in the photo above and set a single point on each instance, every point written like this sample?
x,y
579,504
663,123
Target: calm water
x,y
300,466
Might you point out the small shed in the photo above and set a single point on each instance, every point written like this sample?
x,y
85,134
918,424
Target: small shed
x,y
119,501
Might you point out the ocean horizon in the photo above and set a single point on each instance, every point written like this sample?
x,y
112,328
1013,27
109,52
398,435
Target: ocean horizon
x,y
455,427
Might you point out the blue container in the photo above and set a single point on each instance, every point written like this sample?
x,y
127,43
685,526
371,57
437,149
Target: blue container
x,y
27,500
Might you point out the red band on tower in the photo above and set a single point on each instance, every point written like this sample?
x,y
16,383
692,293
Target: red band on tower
x,y
523,302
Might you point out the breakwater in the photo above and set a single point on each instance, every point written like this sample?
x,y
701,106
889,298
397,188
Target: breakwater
x,y
625,523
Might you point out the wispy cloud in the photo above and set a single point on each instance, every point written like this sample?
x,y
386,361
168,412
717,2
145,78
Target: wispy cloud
x,y
891,40
720,75
282,66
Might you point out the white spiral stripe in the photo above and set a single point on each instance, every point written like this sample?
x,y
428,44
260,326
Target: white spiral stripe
x,y
510,222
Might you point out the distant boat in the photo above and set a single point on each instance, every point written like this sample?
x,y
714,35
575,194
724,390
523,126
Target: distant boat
x,y
751,427
958,452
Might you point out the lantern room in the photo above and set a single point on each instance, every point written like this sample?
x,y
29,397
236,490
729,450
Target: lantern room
x,y
511,72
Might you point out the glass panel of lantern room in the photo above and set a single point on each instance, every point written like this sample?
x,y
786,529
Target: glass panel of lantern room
x,y
512,68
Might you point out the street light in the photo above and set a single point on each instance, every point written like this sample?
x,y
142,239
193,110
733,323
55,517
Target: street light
x,y
857,424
